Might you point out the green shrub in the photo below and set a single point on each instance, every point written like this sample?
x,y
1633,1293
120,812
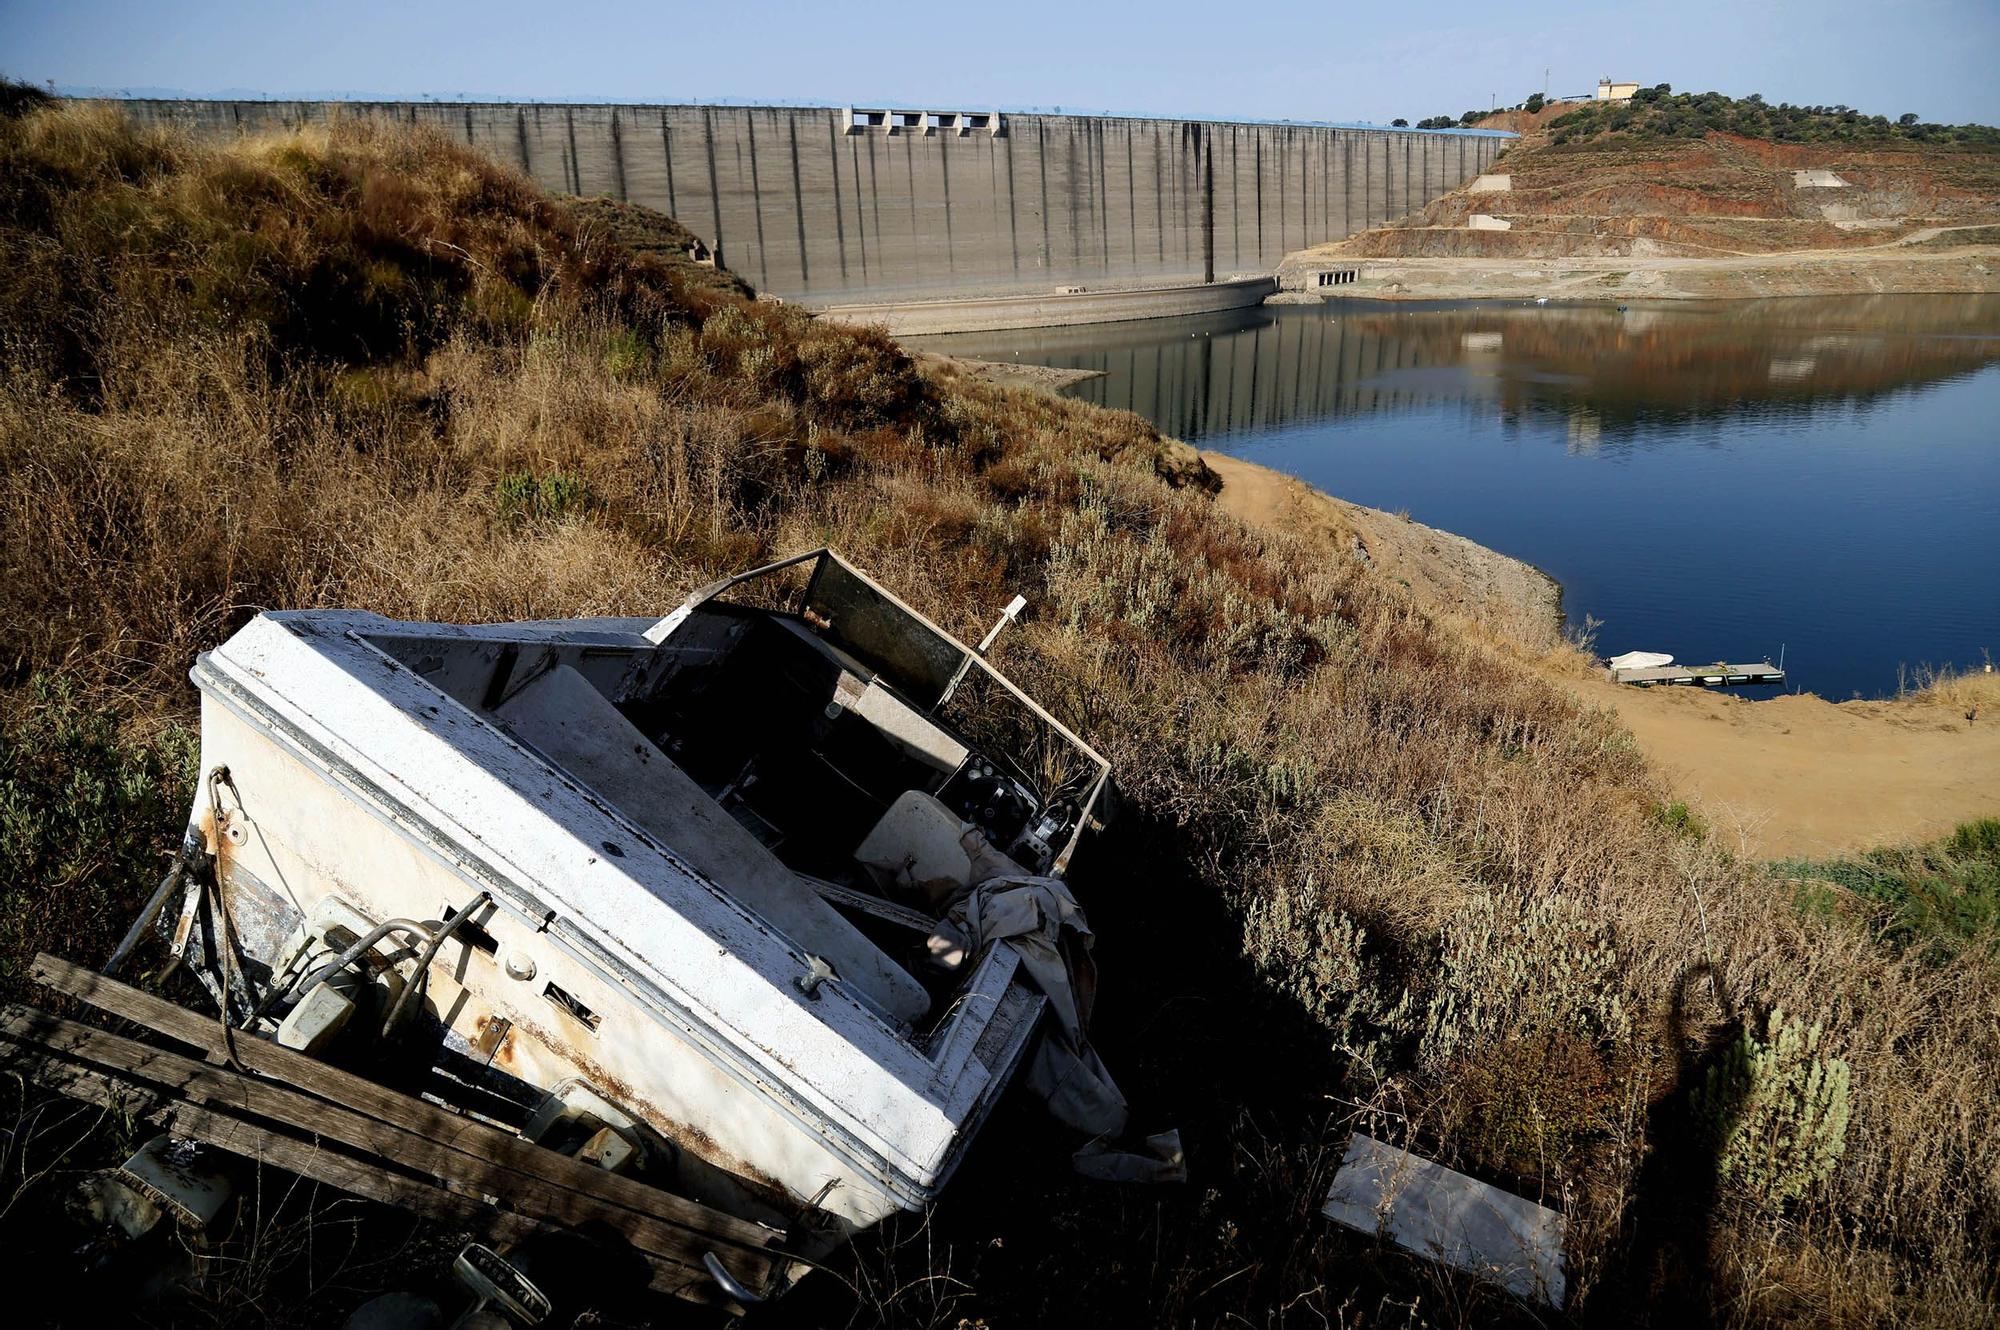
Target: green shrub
x,y
1659,112
626,353
1679,818
523,496
1319,956
1523,969
1775,1112
1939,897
89,813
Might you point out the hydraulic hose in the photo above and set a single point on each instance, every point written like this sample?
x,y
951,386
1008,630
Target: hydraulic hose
x,y
423,975
343,960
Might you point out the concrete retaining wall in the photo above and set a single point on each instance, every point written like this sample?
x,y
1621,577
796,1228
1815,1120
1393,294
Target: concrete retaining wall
x,y
991,313
1255,370
811,208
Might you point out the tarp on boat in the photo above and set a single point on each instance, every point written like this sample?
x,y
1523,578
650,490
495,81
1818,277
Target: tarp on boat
x,y
1640,660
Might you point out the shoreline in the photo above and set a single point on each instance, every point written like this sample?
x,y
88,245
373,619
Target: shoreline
x,y
1061,308
1777,778
1791,777
1442,569
1883,270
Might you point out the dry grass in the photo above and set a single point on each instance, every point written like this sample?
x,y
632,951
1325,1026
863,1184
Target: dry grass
x,y
1369,872
1969,693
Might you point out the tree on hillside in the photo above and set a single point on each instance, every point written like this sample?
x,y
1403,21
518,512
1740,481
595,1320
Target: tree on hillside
x,y
19,98
1535,102
1657,112
1399,123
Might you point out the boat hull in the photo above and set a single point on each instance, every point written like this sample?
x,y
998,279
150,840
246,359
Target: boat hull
x,y
672,1002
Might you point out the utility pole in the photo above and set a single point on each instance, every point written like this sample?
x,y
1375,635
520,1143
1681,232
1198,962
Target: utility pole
x,y
1545,85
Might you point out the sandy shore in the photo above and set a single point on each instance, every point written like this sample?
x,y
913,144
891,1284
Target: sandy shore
x,y
1907,267
1801,777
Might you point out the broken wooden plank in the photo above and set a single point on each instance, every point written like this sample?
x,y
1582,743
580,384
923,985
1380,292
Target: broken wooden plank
x,y
452,1130
227,1089
317,1161
308,1159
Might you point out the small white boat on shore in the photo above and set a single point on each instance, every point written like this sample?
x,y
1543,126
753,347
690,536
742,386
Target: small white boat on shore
x,y
687,896
1638,660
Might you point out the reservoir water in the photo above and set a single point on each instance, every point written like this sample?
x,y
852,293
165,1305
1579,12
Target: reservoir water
x,y
1817,476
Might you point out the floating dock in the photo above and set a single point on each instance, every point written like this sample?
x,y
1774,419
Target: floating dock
x,y
1718,675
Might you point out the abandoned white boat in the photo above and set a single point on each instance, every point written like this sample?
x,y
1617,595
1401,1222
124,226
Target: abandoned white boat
x,y
675,896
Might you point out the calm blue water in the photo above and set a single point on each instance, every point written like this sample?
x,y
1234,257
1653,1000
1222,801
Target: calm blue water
x,y
1820,477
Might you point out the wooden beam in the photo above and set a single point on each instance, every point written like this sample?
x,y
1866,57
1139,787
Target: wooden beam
x,y
308,1159
225,1089
316,1162
457,1132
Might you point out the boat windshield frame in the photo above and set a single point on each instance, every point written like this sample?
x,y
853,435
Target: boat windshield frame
x,y
914,671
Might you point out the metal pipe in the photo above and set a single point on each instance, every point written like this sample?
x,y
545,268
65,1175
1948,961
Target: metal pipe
x,y
341,962
174,878
422,978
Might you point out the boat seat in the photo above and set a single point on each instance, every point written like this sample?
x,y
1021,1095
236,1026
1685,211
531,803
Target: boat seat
x,y
563,717
917,849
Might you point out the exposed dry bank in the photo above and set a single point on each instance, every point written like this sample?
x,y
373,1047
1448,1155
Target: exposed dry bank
x,y
1655,209
1367,870
1513,601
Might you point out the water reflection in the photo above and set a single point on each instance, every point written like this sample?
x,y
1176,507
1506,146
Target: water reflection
x,y
1709,479
1610,372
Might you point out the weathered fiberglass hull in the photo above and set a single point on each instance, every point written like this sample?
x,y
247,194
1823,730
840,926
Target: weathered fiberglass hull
x,y
383,766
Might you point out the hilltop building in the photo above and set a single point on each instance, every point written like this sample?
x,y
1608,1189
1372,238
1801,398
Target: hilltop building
x,y
1607,91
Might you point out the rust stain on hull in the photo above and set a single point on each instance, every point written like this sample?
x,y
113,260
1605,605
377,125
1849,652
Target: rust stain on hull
x,y
519,1062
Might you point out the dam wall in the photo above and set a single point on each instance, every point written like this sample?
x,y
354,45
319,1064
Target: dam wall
x,y
835,206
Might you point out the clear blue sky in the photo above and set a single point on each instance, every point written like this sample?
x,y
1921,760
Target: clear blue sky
x,y
1283,59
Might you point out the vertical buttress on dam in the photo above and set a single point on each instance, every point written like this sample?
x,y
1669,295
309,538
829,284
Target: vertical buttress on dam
x,y
816,205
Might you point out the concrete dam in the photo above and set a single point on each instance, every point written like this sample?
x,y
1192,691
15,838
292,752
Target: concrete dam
x,y
840,206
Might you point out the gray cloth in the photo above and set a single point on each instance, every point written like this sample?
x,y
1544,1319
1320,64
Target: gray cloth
x,y
1040,920
1159,1159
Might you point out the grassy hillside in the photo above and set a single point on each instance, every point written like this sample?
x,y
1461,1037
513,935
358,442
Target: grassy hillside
x,y
1370,871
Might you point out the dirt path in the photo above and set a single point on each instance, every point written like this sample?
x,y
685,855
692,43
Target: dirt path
x,y
1782,778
